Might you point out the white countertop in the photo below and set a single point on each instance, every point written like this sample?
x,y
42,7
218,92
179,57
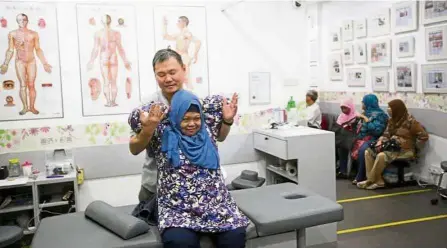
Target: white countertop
x,y
288,132
41,179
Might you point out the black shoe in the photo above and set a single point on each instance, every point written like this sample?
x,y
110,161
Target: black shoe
x,y
341,175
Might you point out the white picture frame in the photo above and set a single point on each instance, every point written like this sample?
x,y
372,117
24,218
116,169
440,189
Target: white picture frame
x,y
348,30
355,77
360,28
405,76
335,38
434,78
433,11
335,67
348,54
405,16
379,24
360,53
405,47
379,53
380,79
435,43
259,88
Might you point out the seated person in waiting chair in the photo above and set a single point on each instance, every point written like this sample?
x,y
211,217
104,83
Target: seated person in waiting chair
x,y
374,121
192,196
313,112
346,119
404,132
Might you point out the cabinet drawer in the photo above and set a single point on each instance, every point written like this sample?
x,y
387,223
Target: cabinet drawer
x,y
273,146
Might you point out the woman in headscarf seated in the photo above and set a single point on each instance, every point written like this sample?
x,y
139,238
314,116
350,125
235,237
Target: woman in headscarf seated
x,y
403,135
346,120
192,196
374,122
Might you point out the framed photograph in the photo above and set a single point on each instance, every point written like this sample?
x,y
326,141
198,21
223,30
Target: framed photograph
x,y
405,16
348,54
434,43
355,77
360,28
348,30
379,24
335,67
433,11
259,88
360,53
380,78
434,78
379,53
335,37
405,76
405,47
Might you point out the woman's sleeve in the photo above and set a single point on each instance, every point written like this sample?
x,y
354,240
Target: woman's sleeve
x,y
419,132
135,126
377,125
212,109
386,134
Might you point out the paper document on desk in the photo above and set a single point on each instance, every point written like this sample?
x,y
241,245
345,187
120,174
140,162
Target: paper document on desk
x,y
16,181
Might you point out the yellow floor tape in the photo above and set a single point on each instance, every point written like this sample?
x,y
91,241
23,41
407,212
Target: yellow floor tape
x,y
397,223
384,195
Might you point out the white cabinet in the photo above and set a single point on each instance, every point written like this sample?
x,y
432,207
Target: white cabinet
x,y
313,151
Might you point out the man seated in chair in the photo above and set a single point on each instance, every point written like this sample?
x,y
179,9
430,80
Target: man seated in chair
x,y
399,141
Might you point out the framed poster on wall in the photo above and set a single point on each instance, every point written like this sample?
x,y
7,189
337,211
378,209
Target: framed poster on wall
x,y
433,11
360,28
348,54
110,83
435,43
434,78
379,53
405,16
259,87
335,67
335,38
348,30
360,56
184,29
405,47
29,52
380,79
405,76
355,77
379,24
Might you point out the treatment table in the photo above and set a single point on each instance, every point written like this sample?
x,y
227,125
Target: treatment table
x,y
273,210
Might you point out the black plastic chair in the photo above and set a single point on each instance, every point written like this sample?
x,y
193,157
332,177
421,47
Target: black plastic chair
x,y
10,235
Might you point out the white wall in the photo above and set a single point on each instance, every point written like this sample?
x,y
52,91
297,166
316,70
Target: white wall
x,y
334,13
250,36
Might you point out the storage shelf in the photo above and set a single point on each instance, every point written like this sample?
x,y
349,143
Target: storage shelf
x,y
282,173
15,208
31,230
53,204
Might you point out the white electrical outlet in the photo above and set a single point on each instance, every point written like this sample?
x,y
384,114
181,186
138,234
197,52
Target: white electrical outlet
x,y
435,170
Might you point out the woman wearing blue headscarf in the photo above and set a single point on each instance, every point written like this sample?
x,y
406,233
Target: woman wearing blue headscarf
x,y
374,122
192,196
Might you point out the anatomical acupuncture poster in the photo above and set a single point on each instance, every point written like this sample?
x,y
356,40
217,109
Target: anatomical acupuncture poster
x,y
108,56
184,30
30,79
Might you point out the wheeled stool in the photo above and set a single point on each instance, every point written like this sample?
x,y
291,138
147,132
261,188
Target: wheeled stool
x,y
439,189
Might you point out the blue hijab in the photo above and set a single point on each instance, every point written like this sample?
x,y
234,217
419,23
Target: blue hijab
x,y
198,149
371,103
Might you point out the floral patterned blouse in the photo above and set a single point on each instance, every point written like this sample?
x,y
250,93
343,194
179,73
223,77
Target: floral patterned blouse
x,y
192,197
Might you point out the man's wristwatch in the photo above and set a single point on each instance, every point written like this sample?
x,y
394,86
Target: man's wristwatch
x,y
228,123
